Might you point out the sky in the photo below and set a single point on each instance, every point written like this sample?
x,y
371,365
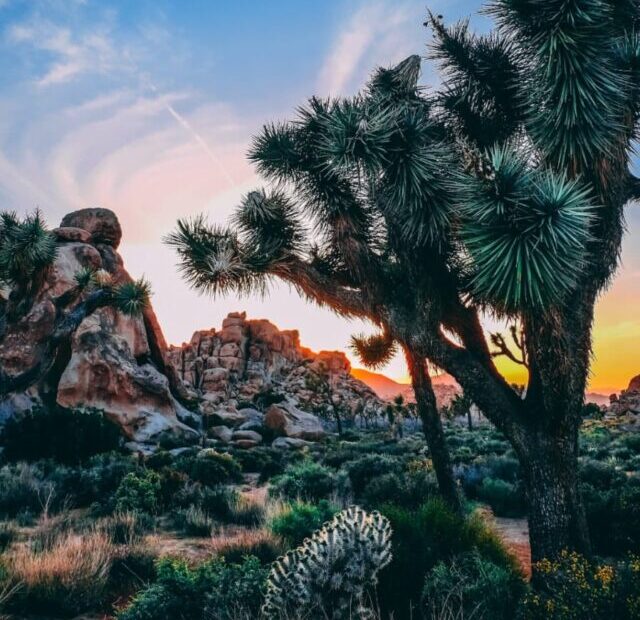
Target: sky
x,y
148,108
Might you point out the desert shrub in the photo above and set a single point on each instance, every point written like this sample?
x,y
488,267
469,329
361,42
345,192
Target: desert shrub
x,y
68,578
124,528
408,490
329,575
233,546
307,481
8,533
139,493
421,539
471,586
23,489
299,520
99,478
246,511
210,467
573,588
268,462
66,435
613,516
600,475
505,498
214,589
193,521
366,468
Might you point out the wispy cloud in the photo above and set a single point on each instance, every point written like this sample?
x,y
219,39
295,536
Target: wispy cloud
x,y
376,33
71,54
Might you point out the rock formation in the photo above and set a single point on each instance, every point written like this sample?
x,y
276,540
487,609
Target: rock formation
x,y
251,364
627,405
112,362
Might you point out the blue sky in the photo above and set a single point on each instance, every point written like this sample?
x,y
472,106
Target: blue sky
x,y
148,107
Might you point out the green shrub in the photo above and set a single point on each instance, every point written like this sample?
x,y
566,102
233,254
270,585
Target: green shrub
x,y
366,468
409,489
21,488
193,521
471,586
210,468
307,481
613,516
421,539
506,499
65,435
300,520
8,533
139,493
214,589
573,588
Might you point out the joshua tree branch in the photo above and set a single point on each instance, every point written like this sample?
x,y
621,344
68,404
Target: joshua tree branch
x,y
322,289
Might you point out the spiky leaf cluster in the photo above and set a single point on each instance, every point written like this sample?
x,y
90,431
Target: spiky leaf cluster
x,y
213,259
526,232
375,350
328,575
26,248
480,99
131,298
576,90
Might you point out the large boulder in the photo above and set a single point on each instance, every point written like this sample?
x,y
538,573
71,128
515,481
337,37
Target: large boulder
x,y
112,362
285,419
102,224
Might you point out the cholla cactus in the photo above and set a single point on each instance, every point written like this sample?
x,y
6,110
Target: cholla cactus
x,y
327,576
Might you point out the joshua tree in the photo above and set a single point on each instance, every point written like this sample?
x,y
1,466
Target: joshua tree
x,y
503,191
27,251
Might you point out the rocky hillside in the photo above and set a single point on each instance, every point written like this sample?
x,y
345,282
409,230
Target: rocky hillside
x,y
252,361
626,405
248,373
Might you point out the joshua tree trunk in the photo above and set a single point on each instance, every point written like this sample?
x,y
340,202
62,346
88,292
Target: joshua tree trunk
x,y
556,516
432,428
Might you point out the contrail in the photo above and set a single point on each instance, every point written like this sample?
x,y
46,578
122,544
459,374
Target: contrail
x,y
194,134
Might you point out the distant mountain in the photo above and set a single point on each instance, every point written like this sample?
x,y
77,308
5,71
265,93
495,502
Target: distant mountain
x,y
444,386
598,399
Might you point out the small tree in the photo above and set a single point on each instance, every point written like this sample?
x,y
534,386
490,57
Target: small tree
x,y
503,191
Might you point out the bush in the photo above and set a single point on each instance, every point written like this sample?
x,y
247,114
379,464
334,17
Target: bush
x,y
367,468
613,516
210,468
139,493
573,588
234,546
22,488
68,578
214,589
407,490
307,481
65,435
193,521
471,586
421,539
8,533
506,499
300,519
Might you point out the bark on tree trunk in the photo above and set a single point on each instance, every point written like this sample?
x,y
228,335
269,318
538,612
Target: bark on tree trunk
x,y
432,428
556,516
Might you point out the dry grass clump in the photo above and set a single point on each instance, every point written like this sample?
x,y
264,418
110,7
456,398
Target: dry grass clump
x,y
247,510
68,576
64,570
234,543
